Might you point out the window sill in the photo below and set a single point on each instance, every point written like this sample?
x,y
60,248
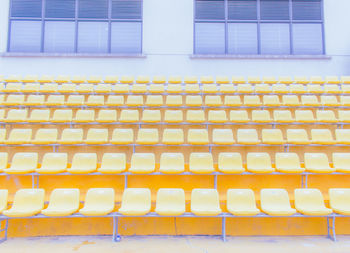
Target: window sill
x,y
263,57
78,55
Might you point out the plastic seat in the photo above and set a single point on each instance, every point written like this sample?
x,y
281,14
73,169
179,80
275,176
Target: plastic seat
x,y
95,100
63,202
262,88
147,136
136,202
107,116
230,163
232,101
194,100
213,101
305,116
113,100
259,163
174,100
271,100
30,79
261,116
326,116
151,116
297,136
23,163
217,116
49,87
272,136
238,80
322,136
94,79
173,136
309,100
254,80
55,100
290,100
297,88
61,79
241,202
127,79
344,116
339,200
174,88
210,88
310,202
142,79
239,116
14,100
206,79
314,88
198,136
35,100
103,88
222,80
2,135
195,116
30,87
3,199
301,80
283,116
288,163
227,88
159,79
244,88
345,100
85,88
317,80
175,79
222,136
173,116
98,202
205,202
2,114
192,88
16,115
75,100
26,203
249,100
112,163
341,162
71,136
342,136
96,136
62,115
53,163
45,136
129,116
134,100
280,88
156,88
2,98
170,202
329,101
13,87
3,163
172,163
122,136
154,100
78,79
39,115
275,202
142,163
84,116
201,163
345,79
247,136
83,163
19,136
317,163
269,79
121,88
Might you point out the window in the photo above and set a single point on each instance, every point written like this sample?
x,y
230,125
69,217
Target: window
x,y
250,27
76,26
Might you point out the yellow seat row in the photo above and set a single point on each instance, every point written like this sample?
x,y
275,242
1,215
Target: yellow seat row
x,y
172,202
174,163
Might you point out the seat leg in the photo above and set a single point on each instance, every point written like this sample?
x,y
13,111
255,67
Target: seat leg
x,y
3,230
116,236
331,228
223,232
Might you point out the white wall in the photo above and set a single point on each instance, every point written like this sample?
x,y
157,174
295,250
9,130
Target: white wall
x,y
168,42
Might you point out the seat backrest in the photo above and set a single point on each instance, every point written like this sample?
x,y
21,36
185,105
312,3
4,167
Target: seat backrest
x,y
287,160
222,135
339,197
55,161
100,197
143,160
84,160
205,198
316,160
228,160
151,115
308,198
134,197
114,160
72,134
173,136
25,160
29,199
107,115
195,116
172,160
304,115
200,160
129,116
85,115
46,134
147,135
321,135
274,198
61,198
282,115
20,134
341,160
240,199
272,135
342,135
17,114
97,134
239,115
62,115
123,135
250,135
171,198
40,115
298,135
258,160
198,135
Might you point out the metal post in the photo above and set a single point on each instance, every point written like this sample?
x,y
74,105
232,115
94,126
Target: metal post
x,y
304,180
35,181
116,236
125,181
330,227
223,232
4,238
215,181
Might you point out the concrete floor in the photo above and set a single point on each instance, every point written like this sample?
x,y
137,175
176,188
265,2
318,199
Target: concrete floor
x,y
183,244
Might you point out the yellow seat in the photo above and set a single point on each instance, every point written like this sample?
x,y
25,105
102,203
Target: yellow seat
x,y
30,87
174,88
159,79
344,116
262,88
341,162
322,136
39,115
98,202
205,202
127,80
247,136
173,116
173,136
191,79
269,79
35,100
227,88
317,163
345,100
172,163
83,163
283,116
174,100
206,79
213,101
314,88
251,100
61,79
83,116
156,88
112,163
254,80
26,203
2,98
306,116
232,101
19,136
244,88
3,164
134,100
239,116
210,88
78,79
326,116
55,100
194,100
310,202
280,88
142,163
139,88
192,88
345,79
297,88
96,136
151,116
272,136
331,88
223,137
136,202
297,136
275,202
62,115
290,100
238,79
241,202
342,136
85,88
63,202
301,80
3,199
317,80
217,116
261,116
309,100
271,100
259,163
14,100
201,163
16,115
103,88
230,163
45,136
23,163
222,80
107,116
142,79
122,136
94,79
170,202
147,136
339,199
113,100
121,88
71,136
95,100
288,163
198,136
75,100
53,163
13,87
49,87
67,88
129,116
45,79
195,116
154,100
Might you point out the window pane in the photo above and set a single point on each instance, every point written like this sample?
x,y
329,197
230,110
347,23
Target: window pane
x,y
242,38
126,37
25,36
275,38
93,8
242,9
26,8
126,9
93,37
210,38
59,36
60,8
307,10
210,9
274,9
307,39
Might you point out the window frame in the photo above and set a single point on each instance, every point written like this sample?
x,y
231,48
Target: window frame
x,y
258,22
